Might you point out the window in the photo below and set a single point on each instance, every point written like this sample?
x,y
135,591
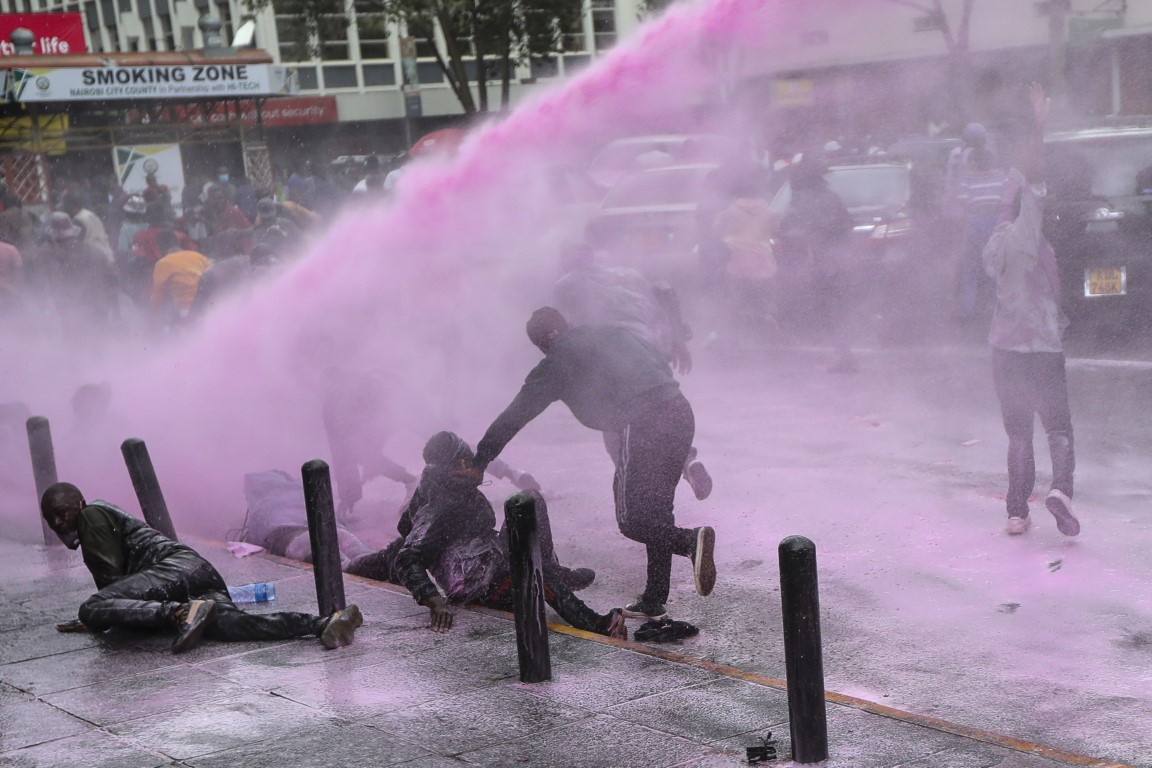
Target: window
x,y
290,32
333,36
373,31
604,23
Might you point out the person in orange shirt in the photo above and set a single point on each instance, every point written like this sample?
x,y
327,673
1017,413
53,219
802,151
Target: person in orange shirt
x,y
175,278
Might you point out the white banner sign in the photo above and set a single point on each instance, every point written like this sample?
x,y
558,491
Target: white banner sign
x,y
182,81
133,164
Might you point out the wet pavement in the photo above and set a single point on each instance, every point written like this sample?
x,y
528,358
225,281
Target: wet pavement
x,y
402,695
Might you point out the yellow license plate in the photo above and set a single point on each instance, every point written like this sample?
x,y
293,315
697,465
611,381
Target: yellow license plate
x,y
1105,281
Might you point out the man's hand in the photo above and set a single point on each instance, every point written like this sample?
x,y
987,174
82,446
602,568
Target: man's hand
x,y
73,626
439,614
681,358
1041,104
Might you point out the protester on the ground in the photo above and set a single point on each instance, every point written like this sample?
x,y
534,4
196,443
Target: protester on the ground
x,y
589,293
146,581
95,234
448,529
175,279
615,382
1027,350
815,234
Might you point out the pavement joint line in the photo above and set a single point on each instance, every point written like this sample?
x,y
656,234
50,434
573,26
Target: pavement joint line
x,y
725,670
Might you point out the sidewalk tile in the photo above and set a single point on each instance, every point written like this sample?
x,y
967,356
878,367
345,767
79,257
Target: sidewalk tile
x,y
710,712
616,678
76,669
95,749
330,745
26,721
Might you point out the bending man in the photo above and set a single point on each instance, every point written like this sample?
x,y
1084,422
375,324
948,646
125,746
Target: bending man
x,y
615,382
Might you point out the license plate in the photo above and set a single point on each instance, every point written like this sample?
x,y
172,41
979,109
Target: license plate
x,y
1105,281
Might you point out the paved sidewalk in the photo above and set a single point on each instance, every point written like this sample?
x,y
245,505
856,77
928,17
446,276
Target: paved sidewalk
x,y
403,695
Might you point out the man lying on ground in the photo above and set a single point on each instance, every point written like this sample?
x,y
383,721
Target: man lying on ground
x,y
448,530
147,581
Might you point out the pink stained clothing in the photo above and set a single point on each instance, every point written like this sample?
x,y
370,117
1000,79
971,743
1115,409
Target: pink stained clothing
x,y
10,266
1023,264
745,228
176,277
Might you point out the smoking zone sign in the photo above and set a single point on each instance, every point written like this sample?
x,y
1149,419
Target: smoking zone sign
x,y
151,82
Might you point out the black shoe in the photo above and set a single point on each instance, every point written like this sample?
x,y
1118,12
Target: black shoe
x,y
665,631
642,609
697,476
341,627
704,561
194,617
577,579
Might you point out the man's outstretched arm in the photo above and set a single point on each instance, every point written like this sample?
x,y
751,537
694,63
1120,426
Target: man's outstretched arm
x,y
540,390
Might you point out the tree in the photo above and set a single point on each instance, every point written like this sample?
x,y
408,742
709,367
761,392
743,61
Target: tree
x,y
479,40
956,38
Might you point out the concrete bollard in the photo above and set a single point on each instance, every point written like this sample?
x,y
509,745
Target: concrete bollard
x,y
803,656
323,537
527,589
147,486
43,468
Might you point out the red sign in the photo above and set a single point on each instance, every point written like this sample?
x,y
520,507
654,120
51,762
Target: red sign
x,y
51,32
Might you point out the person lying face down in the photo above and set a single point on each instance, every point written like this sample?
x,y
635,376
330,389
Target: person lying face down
x,y
448,530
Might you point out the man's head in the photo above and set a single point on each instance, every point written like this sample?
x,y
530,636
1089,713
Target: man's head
x,y
167,242
447,452
72,203
974,135
267,208
61,228
60,506
545,325
150,179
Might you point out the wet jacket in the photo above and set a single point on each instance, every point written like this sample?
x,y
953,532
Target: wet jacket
x,y
606,375
1021,260
449,531
115,544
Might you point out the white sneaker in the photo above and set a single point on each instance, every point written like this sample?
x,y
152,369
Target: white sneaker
x,y
1018,525
1061,508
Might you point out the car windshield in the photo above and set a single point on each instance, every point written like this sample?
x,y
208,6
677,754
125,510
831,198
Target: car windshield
x,y
860,186
677,186
870,186
1101,167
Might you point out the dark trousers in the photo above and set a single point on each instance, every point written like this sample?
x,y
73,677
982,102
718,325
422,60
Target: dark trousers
x,y
1030,383
148,600
652,452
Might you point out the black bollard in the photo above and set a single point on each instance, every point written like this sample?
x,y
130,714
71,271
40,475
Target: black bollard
x,y
803,657
147,487
43,468
527,589
322,534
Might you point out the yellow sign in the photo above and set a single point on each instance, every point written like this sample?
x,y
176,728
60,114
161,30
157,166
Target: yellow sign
x,y
20,133
793,93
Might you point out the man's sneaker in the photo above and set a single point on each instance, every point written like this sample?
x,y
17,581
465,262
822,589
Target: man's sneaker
x,y
577,579
1018,525
703,560
341,627
697,476
642,609
194,617
1061,508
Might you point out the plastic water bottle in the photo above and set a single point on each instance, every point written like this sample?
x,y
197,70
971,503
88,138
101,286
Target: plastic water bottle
x,y
253,593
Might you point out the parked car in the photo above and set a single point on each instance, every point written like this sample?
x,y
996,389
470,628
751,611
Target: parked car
x,y
633,154
877,191
1098,221
649,220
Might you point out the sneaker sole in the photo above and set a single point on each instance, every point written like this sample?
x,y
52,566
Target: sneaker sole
x,y
342,629
1065,522
200,615
641,615
699,480
704,564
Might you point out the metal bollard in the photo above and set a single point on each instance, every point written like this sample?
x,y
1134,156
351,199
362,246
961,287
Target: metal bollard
x,y
323,537
43,468
527,589
148,492
803,657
